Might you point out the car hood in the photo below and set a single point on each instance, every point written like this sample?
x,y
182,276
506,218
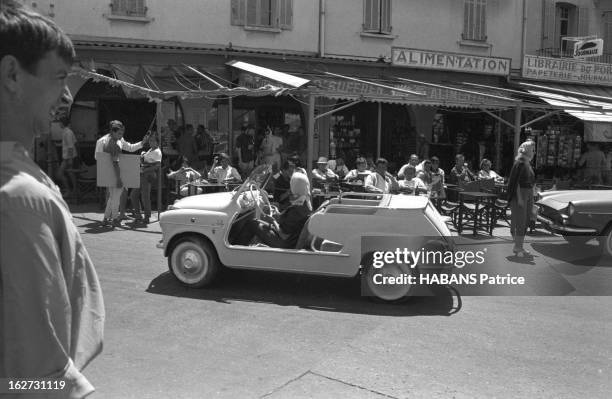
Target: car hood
x,y
205,202
560,199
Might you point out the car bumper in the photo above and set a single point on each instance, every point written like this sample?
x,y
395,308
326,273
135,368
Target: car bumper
x,y
565,230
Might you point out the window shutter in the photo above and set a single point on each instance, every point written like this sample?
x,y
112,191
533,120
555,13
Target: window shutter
x,y
466,19
251,12
238,12
482,21
371,15
583,21
548,24
286,14
385,16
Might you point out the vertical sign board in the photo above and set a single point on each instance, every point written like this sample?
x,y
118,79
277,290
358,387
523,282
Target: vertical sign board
x,y
129,169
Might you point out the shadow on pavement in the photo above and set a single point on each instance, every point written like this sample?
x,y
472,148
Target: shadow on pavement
x,y
331,294
587,256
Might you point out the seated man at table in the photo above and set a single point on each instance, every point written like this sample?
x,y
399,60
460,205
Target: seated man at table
x,y
360,172
414,161
322,174
411,182
281,185
381,181
486,173
222,171
282,229
460,173
183,176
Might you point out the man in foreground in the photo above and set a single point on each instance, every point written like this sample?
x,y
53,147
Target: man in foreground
x,y
51,307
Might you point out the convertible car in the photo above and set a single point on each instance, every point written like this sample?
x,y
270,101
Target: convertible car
x,y
578,215
199,235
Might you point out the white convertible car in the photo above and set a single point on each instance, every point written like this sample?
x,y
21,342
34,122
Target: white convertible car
x,y
199,234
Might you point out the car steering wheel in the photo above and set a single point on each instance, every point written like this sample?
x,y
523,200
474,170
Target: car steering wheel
x,y
261,201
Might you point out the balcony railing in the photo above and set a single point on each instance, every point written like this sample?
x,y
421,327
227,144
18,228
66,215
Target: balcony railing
x,y
558,53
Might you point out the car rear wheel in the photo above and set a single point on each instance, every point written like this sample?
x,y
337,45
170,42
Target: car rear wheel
x,y
386,292
606,242
194,261
577,240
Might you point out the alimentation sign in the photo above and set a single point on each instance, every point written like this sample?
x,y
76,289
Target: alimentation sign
x,y
567,70
427,59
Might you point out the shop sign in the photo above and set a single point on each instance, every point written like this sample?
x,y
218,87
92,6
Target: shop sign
x,y
567,70
427,59
588,48
340,86
598,131
252,81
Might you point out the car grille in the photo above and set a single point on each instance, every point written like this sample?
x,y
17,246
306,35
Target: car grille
x,y
550,213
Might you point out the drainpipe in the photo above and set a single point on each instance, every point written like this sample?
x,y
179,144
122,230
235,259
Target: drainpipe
x,y
524,34
321,28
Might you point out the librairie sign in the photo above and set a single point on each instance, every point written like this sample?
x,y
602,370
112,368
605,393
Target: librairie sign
x,y
567,70
427,59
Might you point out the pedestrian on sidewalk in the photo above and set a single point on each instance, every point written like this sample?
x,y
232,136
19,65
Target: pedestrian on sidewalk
x,y
150,161
520,196
51,306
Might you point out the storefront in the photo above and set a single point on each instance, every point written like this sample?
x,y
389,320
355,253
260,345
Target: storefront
x,y
583,91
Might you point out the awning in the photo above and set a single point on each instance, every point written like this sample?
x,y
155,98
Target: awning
x,y
589,103
284,78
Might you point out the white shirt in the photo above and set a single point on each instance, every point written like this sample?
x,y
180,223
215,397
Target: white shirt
x,y
124,145
271,144
152,156
221,174
377,183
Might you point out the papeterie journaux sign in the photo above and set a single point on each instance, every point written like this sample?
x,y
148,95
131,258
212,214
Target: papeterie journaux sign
x,y
449,61
567,70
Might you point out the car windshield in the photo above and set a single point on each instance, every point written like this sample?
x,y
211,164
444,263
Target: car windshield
x,y
258,177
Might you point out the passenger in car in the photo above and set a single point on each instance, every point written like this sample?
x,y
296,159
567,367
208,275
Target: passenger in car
x,y
282,229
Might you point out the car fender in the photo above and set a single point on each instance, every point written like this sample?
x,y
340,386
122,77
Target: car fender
x,y
178,222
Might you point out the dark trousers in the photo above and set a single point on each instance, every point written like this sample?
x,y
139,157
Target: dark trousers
x,y
266,232
143,193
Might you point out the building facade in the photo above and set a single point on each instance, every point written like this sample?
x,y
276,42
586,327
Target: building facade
x,y
426,42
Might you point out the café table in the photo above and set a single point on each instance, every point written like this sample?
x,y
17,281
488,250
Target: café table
x,y
479,198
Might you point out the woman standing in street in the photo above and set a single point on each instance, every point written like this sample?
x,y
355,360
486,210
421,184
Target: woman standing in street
x,y
520,196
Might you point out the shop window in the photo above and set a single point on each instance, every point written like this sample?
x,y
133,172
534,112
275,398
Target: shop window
x,y
266,14
475,20
131,8
377,16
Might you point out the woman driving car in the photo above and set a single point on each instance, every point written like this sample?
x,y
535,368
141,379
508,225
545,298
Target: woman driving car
x,y
281,230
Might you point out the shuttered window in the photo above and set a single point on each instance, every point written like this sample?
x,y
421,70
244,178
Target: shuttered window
x,y
136,8
475,20
607,32
262,13
377,16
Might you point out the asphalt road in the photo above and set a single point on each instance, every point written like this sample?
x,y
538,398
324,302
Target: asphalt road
x,y
265,335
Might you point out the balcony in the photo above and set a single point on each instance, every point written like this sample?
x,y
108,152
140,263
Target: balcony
x,y
559,53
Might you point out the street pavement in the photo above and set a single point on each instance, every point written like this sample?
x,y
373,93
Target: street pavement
x,y
271,335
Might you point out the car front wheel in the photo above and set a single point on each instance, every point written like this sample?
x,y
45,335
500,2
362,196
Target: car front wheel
x,y
606,242
194,261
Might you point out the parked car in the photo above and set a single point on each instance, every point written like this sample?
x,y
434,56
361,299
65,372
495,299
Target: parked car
x,y
578,215
199,235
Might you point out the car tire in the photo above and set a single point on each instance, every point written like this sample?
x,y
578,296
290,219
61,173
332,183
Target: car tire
x,y
385,293
194,261
577,240
605,241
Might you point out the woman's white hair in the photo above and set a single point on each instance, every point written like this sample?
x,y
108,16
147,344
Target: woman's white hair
x,y
526,151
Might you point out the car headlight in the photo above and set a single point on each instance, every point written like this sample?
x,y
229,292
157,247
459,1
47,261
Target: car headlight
x,y
570,209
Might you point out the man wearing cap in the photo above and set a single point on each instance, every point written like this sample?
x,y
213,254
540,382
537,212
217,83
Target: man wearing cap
x,y
322,174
